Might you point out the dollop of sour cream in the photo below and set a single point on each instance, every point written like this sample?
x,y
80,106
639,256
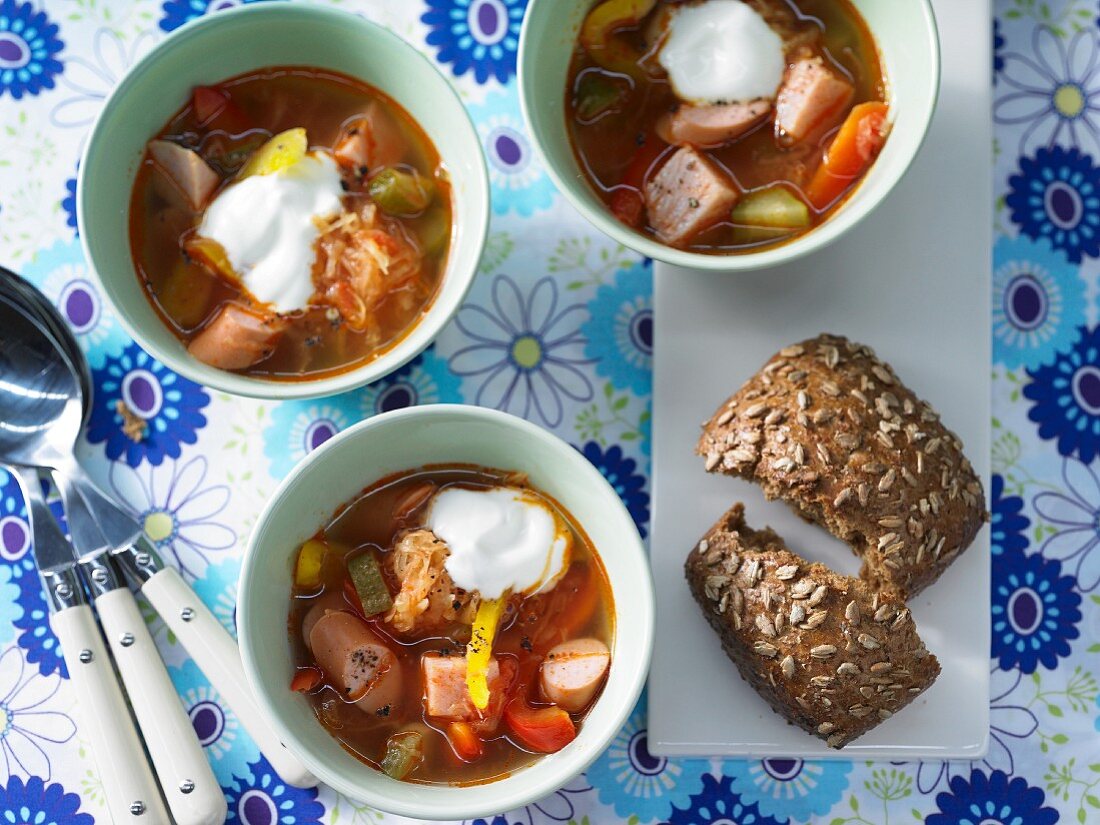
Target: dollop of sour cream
x,y
722,51
266,225
500,539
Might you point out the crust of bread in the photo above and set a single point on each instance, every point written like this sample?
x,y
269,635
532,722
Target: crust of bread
x,y
830,429
826,651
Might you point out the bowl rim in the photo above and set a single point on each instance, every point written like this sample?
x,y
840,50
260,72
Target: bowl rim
x,y
446,801
433,320
818,238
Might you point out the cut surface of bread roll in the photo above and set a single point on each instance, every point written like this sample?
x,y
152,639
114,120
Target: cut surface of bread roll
x,y
826,651
830,429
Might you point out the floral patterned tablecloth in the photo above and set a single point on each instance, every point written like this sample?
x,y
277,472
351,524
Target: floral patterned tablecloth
x,y
558,328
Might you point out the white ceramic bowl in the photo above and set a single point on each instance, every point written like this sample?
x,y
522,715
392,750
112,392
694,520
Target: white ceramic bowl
x,y
905,31
218,46
401,440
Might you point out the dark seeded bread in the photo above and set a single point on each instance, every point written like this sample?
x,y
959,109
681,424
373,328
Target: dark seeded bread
x,y
825,650
828,428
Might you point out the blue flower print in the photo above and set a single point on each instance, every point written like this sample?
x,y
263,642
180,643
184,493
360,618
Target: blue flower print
x,y
425,380
178,12
298,428
30,724
1056,195
33,630
10,609
998,49
622,473
1066,396
791,788
635,782
217,587
137,397
63,275
1052,91
620,329
992,800
33,801
1075,515
29,47
180,512
1009,527
1038,302
482,35
226,747
525,353
68,205
1035,611
519,182
262,798
560,806
717,804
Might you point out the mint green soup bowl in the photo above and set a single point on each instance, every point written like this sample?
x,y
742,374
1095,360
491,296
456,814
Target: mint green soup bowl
x,y
334,474
219,46
907,40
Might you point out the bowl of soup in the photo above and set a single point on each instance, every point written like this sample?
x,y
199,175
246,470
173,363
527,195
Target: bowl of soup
x,y
283,201
446,612
728,134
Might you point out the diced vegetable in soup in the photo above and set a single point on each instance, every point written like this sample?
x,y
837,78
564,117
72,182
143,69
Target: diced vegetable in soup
x,y
450,625
290,223
723,126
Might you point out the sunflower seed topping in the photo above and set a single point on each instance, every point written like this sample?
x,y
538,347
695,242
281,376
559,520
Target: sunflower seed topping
x,y
884,613
851,612
887,481
830,389
798,613
882,375
842,497
859,711
822,651
881,667
787,666
848,669
869,642
903,616
765,625
786,572
802,588
775,417
883,713
712,460
769,651
756,410
815,620
826,727
792,351
804,400
818,596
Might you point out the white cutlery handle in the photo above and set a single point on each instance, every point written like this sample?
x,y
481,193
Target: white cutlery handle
x,y
217,655
128,783
192,792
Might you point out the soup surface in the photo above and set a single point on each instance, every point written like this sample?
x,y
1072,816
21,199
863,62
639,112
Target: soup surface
x,y
394,687
290,223
723,126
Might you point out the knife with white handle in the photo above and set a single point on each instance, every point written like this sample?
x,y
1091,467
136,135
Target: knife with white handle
x,y
213,650
129,787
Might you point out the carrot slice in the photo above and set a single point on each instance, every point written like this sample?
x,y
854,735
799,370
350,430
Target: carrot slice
x,y
851,153
306,679
545,730
627,201
465,742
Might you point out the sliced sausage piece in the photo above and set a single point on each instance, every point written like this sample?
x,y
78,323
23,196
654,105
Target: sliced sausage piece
x,y
186,170
370,142
237,338
446,696
812,96
687,195
713,125
325,603
360,665
573,671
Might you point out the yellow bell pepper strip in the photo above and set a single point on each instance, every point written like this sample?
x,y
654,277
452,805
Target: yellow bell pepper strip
x,y
307,571
598,34
283,150
480,649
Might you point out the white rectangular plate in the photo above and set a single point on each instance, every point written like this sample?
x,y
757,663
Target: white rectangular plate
x,y
913,281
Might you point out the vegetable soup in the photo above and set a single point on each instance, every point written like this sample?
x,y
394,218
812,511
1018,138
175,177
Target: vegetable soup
x,y
722,126
450,625
290,223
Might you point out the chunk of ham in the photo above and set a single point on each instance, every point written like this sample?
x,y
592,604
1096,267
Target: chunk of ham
x,y
370,142
573,671
713,125
359,664
186,170
688,194
812,96
237,337
447,698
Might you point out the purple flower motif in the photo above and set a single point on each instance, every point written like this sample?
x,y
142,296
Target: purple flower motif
x,y
1076,514
718,804
992,800
526,352
179,12
29,724
177,510
1056,195
1066,396
1035,611
262,798
482,35
29,48
33,801
621,472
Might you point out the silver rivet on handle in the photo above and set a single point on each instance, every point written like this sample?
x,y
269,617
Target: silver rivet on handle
x,y
186,786
86,656
126,639
137,807
187,614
